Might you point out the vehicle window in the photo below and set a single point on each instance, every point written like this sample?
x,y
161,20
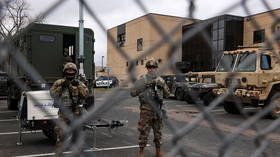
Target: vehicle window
x,y
100,78
246,62
226,63
265,62
47,38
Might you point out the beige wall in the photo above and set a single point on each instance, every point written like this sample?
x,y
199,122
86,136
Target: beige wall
x,y
142,28
265,21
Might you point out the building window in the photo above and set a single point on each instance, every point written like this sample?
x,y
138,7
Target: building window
x,y
140,44
221,23
121,40
142,62
121,35
265,62
215,35
47,38
215,25
137,62
259,36
127,64
159,60
221,45
218,34
221,33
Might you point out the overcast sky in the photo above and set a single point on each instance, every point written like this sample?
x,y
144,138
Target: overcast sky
x,y
115,12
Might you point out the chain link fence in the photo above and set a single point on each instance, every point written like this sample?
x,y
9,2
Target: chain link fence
x,y
7,49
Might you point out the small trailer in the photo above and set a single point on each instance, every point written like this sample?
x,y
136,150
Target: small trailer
x,y
37,112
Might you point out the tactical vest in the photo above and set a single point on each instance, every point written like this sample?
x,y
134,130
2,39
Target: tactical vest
x,y
151,93
70,96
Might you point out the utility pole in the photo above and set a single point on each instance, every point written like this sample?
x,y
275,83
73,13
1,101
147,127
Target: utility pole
x,y
102,62
81,39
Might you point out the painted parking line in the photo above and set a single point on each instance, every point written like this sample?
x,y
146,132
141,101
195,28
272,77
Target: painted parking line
x,y
8,112
7,120
24,132
88,150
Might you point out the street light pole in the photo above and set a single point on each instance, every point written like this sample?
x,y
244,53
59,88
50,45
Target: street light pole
x,y
81,39
102,62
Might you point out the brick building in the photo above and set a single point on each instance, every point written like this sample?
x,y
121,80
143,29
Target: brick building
x,y
139,35
225,32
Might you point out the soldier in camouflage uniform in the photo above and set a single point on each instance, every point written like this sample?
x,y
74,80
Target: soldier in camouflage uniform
x,y
69,94
149,88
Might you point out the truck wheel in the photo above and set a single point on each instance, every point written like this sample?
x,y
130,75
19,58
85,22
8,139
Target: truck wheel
x,y
12,104
275,101
188,98
230,107
179,94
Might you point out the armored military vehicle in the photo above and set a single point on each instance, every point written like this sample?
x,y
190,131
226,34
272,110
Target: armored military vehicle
x,y
203,88
44,47
257,75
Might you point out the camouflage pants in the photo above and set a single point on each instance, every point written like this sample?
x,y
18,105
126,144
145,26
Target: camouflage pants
x,y
149,119
61,117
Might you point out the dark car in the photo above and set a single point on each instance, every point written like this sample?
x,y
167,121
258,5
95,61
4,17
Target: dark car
x,y
3,84
106,81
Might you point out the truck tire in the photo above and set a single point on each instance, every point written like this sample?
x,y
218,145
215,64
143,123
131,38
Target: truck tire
x,y
179,94
188,98
230,107
275,101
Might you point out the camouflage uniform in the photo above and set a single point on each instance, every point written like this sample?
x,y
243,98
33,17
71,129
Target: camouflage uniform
x,y
68,94
150,96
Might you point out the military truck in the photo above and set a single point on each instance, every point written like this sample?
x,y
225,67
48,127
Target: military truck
x,y
43,47
257,75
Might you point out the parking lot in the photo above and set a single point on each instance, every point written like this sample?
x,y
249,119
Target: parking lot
x,y
200,142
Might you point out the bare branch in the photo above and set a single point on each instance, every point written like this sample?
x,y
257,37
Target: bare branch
x,y
14,17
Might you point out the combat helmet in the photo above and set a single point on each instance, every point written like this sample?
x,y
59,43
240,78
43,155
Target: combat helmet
x,y
70,66
151,64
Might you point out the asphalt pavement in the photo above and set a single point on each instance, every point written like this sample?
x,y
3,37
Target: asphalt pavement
x,y
201,141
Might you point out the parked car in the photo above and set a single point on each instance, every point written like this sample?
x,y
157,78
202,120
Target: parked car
x,y
106,81
3,84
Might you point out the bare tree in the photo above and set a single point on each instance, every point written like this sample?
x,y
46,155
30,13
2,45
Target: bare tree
x,y
13,17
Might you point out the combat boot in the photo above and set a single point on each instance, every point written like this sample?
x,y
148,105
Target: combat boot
x,y
141,152
158,153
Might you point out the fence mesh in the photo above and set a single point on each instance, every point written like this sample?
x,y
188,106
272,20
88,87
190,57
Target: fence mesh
x,y
7,49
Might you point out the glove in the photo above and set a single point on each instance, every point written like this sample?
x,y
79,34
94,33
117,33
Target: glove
x,y
75,83
159,82
65,84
